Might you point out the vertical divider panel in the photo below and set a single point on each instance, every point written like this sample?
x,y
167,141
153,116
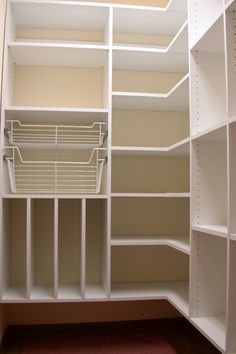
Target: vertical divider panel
x,y
107,243
29,248
56,277
83,248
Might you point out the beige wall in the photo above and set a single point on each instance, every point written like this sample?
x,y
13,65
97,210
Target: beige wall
x,y
82,312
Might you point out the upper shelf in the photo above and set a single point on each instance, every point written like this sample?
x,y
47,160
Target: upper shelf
x,y
48,54
150,21
60,14
173,58
177,99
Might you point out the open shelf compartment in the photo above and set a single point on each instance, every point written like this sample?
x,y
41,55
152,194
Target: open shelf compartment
x,y
14,246
209,184
208,286
96,250
48,172
59,21
69,248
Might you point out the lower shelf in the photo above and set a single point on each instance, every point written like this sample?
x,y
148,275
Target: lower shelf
x,y
14,293
69,292
176,292
214,328
95,292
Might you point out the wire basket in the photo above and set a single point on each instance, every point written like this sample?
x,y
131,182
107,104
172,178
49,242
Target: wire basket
x,y
44,176
82,136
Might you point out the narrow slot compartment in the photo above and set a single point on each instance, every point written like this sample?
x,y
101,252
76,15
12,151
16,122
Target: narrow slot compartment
x,y
208,84
69,248
42,249
209,185
232,178
150,174
14,266
208,286
145,128
96,245
150,221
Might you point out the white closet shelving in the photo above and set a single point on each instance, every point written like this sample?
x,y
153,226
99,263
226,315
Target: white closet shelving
x,y
81,79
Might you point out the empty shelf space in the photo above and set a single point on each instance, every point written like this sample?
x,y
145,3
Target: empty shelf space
x,y
32,135
215,230
42,293
61,21
95,248
214,328
210,179
202,17
75,87
152,23
95,292
49,171
180,243
176,292
174,100
209,266
14,293
56,55
69,292
153,174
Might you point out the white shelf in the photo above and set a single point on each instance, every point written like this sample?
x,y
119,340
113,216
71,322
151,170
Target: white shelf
x,y
60,14
55,114
177,292
14,293
95,292
173,58
179,149
52,54
42,292
181,243
69,292
151,195
215,230
161,21
174,100
214,328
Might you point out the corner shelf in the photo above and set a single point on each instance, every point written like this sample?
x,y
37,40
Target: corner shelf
x,y
174,100
215,230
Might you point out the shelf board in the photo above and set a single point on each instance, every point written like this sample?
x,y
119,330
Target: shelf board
x,y
151,195
212,41
214,328
54,54
60,14
15,293
55,196
176,292
161,21
69,292
95,292
172,58
42,292
27,114
181,243
176,150
177,99
215,133
215,230
233,237
228,4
